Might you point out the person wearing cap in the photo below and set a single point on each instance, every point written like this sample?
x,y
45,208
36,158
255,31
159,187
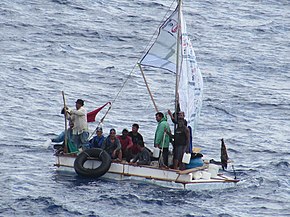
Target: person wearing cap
x,y
112,145
127,145
80,129
97,141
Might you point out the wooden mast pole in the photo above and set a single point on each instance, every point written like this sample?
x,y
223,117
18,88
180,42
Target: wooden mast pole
x,y
151,96
177,61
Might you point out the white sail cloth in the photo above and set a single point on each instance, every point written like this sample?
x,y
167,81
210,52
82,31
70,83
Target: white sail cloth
x,y
162,54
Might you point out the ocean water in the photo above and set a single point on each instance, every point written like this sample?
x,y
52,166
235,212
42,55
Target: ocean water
x,y
88,49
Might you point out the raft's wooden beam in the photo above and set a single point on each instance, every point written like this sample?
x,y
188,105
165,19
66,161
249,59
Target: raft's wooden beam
x,y
192,170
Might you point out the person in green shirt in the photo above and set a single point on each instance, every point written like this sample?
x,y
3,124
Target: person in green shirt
x,y
162,139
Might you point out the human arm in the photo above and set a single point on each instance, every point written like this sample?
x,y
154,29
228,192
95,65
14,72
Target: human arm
x,y
168,132
118,144
172,116
130,142
135,158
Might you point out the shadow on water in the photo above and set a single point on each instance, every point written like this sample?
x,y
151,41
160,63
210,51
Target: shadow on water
x,y
31,205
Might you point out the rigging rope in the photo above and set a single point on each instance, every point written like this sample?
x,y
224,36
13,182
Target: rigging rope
x,y
149,44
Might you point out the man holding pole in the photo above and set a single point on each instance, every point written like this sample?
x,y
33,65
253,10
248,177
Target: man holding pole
x,y
80,129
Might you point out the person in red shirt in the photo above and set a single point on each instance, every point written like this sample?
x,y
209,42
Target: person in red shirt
x,y
127,145
136,137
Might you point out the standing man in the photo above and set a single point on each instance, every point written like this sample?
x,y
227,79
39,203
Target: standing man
x,y
80,129
181,116
162,139
181,143
136,137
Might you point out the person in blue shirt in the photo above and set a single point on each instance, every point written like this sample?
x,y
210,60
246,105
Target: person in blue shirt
x,y
97,141
113,146
195,160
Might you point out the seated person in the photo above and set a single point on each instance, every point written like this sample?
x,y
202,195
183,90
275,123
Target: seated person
x,y
143,157
127,144
60,138
97,141
195,160
136,137
112,146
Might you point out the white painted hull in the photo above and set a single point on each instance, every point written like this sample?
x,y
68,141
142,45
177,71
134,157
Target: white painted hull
x,y
154,175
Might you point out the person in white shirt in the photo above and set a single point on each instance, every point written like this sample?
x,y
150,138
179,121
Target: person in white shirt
x,y
80,129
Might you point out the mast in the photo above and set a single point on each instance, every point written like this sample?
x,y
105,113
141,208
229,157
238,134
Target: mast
x,y
177,60
147,86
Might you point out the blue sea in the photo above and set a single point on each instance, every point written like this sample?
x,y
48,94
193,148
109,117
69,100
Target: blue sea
x,y
89,50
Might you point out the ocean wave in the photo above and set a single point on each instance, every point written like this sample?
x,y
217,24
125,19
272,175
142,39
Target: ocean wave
x,y
88,49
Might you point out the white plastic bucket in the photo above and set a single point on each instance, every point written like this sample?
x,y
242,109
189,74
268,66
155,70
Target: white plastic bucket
x,y
156,152
197,175
213,170
186,158
205,175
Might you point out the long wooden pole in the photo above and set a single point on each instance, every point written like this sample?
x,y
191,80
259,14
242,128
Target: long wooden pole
x,y
151,96
65,122
177,62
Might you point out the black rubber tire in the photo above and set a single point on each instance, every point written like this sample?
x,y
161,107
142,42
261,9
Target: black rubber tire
x,y
98,153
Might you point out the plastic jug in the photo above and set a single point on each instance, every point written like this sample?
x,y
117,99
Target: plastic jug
x,y
213,170
186,158
156,152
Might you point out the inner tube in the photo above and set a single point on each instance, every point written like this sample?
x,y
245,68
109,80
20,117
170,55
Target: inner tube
x,y
97,153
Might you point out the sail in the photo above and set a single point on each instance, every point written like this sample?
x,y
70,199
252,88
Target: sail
x,y
162,54
190,85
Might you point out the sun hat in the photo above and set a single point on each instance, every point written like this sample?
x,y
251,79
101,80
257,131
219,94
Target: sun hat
x,y
196,150
80,101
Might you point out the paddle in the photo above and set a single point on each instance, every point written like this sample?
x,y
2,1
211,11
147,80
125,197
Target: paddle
x,y
65,123
161,160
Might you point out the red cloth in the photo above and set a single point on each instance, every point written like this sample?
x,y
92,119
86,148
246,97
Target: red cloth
x,y
92,115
